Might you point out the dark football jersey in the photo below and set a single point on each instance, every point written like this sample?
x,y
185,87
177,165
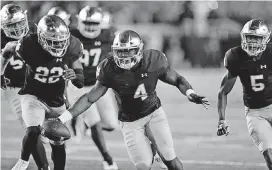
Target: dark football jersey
x,y
44,71
255,76
95,50
135,89
16,68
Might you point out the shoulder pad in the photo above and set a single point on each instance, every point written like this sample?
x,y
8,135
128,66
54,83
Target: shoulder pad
x,y
155,60
102,71
75,49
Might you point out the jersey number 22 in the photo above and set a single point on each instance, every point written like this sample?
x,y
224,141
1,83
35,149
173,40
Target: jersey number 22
x,y
256,85
44,75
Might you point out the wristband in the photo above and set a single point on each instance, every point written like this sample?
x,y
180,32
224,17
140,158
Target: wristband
x,y
222,121
189,91
66,116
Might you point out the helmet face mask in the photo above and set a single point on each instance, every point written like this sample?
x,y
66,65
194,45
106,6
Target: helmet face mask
x,y
89,22
127,49
254,39
54,36
14,21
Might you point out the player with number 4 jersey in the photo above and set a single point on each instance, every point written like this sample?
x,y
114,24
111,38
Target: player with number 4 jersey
x,y
133,74
252,63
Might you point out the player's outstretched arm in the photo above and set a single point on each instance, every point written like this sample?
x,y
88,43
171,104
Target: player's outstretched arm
x,y
173,78
227,84
6,54
84,102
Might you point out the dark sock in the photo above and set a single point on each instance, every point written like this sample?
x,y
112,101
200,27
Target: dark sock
x,y
99,140
58,156
29,142
39,155
73,124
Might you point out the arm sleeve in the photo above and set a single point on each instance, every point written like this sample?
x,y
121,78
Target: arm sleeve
x,y
230,62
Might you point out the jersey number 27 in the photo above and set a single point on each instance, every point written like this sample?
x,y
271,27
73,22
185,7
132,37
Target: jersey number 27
x,y
255,82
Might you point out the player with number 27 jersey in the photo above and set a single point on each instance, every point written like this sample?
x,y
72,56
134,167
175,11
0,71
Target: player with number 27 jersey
x,y
95,50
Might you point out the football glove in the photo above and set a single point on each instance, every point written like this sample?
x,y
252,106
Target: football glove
x,y
223,128
69,74
4,82
198,100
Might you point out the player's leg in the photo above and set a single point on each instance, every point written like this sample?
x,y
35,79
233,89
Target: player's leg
x,y
58,154
159,132
14,100
137,144
260,130
92,119
268,157
33,114
108,111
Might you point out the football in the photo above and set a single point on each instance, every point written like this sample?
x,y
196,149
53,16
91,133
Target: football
x,y
55,130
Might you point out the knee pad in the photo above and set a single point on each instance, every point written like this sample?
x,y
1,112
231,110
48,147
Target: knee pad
x,y
56,142
174,164
143,166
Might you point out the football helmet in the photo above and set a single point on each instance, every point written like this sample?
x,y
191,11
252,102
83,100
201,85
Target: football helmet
x,y
89,20
254,37
60,12
127,49
53,35
14,21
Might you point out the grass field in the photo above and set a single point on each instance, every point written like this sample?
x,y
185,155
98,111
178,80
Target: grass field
x,y
193,128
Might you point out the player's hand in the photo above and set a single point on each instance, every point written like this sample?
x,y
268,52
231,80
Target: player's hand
x,y
4,82
198,100
223,128
69,73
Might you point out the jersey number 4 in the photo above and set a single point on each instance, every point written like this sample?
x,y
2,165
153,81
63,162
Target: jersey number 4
x,y
95,53
256,85
140,92
44,75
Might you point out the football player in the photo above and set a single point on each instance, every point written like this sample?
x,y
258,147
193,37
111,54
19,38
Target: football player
x,y
252,63
51,56
61,13
14,26
97,44
133,74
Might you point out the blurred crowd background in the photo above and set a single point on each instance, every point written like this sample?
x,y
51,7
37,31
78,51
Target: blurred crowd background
x,y
191,34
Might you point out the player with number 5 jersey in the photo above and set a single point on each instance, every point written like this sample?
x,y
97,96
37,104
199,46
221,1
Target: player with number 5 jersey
x,y
252,63
133,73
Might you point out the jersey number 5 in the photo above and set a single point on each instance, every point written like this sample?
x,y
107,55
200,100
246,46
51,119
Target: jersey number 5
x,y
44,75
257,86
95,53
16,64
140,92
